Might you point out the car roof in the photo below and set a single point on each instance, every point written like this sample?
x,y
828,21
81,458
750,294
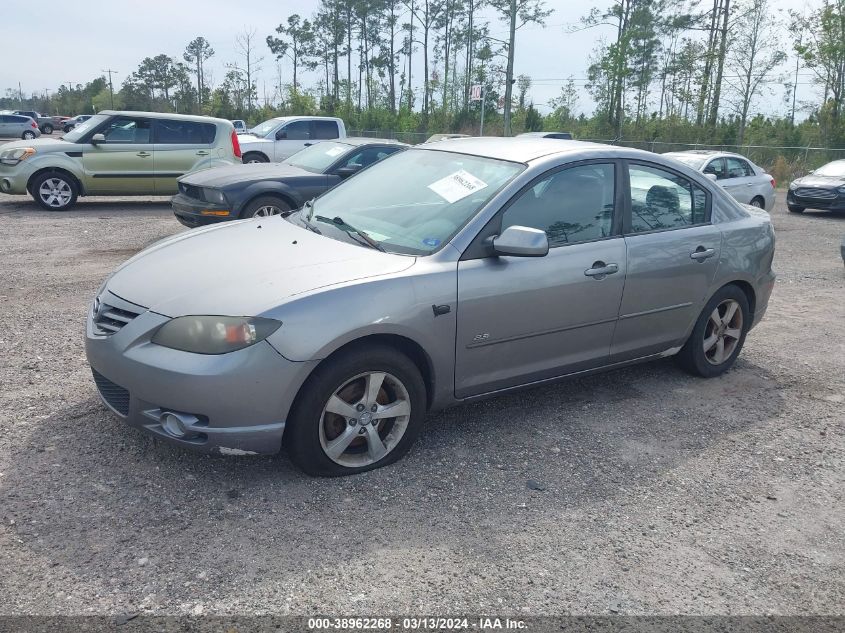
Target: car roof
x,y
520,149
362,140
164,115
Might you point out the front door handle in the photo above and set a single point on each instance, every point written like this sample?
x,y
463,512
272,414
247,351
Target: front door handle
x,y
701,253
203,152
308,144
144,154
600,270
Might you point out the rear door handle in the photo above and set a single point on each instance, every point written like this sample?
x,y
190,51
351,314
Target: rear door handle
x,y
308,144
144,154
600,270
203,152
701,253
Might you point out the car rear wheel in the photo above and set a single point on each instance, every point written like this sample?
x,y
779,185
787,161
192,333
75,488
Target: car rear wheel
x,y
54,191
47,129
265,206
28,135
359,411
255,157
758,202
793,208
718,335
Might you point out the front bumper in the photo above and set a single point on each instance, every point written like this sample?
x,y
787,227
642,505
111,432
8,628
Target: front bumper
x,y
189,211
236,403
831,204
13,178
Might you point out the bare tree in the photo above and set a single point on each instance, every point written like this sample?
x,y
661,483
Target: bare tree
x,y
245,46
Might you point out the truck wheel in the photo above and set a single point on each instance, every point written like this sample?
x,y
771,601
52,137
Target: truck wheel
x,y
255,157
54,191
47,129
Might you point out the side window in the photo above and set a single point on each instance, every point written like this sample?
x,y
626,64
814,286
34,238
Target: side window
x,y
184,132
325,130
663,200
126,130
368,156
716,167
572,205
298,130
738,168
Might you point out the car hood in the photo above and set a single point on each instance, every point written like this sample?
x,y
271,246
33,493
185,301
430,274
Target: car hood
x,y
811,180
230,175
243,268
40,144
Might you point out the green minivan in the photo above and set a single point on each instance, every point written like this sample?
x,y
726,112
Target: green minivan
x,y
116,153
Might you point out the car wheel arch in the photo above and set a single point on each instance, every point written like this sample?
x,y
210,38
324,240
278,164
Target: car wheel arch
x,y
255,151
56,170
284,196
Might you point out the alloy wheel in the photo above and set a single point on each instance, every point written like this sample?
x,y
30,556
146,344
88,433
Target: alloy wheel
x,y
722,332
756,203
29,135
55,192
365,419
266,211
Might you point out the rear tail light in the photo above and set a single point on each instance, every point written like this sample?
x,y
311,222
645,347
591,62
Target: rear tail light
x,y
774,184
33,124
236,147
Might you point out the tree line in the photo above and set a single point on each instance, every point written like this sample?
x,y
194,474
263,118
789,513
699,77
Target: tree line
x,y
695,71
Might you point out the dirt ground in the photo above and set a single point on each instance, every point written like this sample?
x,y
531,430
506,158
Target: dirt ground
x,y
661,493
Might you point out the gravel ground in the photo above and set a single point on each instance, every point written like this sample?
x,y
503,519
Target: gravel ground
x,y
641,491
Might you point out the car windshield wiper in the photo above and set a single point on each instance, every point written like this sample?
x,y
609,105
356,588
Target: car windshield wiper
x,y
350,230
306,217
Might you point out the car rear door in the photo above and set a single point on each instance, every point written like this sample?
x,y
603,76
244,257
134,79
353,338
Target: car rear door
x,y
123,163
6,127
739,181
291,138
672,255
524,319
179,146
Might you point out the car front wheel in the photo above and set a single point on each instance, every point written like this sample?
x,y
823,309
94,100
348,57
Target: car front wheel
x,y
265,206
359,411
718,335
54,191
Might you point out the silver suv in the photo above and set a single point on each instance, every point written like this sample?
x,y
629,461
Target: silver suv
x,y
18,126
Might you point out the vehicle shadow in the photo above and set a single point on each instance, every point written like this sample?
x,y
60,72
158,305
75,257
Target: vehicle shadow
x,y
86,206
91,498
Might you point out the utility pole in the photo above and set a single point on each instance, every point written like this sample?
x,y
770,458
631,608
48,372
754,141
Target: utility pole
x,y
111,86
47,99
483,99
20,94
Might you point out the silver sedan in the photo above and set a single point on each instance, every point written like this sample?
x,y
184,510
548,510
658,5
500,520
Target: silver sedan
x,y
745,181
444,274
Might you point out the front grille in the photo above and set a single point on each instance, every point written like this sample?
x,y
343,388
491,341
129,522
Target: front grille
x,y
815,192
191,191
109,318
115,396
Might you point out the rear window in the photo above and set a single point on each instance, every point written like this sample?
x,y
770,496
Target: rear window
x,y
184,132
325,129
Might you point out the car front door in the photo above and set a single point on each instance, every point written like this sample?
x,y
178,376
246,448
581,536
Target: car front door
x,y
179,146
290,138
739,181
124,162
673,251
522,320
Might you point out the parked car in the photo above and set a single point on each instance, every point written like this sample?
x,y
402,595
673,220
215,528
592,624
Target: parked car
x,y
745,181
823,188
72,122
566,136
444,137
443,274
245,191
45,123
116,153
18,126
280,137
240,126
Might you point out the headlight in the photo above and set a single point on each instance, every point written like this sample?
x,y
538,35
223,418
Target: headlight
x,y
841,190
792,186
214,334
213,195
16,155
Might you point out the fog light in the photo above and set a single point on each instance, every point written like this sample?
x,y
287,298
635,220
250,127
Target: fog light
x,y
178,424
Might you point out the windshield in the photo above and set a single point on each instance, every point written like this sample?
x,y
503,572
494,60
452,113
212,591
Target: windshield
x,y
413,201
83,128
689,159
835,169
263,129
318,157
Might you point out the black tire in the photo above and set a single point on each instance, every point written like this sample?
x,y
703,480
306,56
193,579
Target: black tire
x,y
760,202
47,129
254,157
67,128
794,208
65,187
303,432
693,358
265,202
28,135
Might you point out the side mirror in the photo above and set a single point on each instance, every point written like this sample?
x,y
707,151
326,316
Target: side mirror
x,y
348,170
521,241
711,176
281,134
97,139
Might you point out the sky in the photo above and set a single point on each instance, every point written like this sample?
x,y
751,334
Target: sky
x,y
118,34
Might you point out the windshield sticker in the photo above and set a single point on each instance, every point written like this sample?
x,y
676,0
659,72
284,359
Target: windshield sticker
x,y
431,241
334,151
457,186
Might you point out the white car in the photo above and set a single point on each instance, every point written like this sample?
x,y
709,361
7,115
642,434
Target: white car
x,y
745,181
280,137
